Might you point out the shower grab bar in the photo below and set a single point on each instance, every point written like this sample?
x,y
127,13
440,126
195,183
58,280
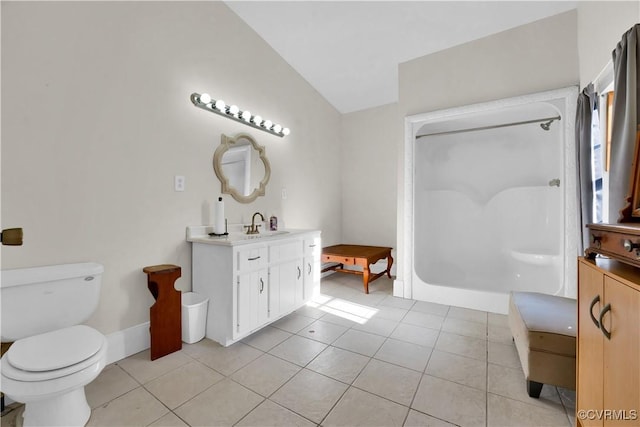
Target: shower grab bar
x,y
526,122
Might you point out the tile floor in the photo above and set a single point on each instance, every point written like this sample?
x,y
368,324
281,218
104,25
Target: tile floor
x,y
347,359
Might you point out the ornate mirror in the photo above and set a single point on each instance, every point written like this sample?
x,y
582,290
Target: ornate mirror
x,y
242,167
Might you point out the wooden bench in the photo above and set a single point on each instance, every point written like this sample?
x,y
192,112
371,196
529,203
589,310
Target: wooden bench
x,y
360,255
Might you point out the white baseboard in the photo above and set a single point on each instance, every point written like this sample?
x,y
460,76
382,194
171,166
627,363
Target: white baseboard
x,y
398,288
129,341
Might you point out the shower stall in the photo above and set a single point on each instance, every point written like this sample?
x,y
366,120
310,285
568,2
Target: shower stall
x,y
490,202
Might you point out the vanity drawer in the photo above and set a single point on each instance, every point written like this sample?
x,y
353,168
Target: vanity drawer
x,y
285,251
339,259
312,247
250,259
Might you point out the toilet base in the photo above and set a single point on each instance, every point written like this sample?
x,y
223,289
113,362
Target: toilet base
x,y
68,409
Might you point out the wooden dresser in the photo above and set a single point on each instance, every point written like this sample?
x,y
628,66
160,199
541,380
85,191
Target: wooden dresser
x,y
608,353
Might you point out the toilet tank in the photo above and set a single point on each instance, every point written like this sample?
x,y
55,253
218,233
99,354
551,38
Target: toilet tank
x,y
36,300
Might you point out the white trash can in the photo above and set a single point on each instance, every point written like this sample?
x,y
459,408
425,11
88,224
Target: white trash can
x,y
194,317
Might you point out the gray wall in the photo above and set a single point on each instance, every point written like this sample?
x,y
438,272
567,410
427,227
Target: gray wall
x,y
96,121
369,176
601,25
564,50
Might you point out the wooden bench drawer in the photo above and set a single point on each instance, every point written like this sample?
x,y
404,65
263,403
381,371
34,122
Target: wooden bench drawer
x,y
339,259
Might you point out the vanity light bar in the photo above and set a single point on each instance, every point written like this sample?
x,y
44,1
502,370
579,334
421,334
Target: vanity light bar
x,y
205,102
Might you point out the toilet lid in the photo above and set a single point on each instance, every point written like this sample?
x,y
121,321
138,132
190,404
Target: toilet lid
x,y
55,350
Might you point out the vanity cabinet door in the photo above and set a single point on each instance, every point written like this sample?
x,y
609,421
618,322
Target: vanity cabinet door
x,y
311,278
312,250
590,342
299,285
288,274
621,353
252,308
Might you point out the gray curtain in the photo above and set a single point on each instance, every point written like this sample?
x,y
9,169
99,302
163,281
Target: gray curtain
x,y
625,118
586,104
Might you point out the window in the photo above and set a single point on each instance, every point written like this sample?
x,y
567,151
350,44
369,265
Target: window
x,y
601,144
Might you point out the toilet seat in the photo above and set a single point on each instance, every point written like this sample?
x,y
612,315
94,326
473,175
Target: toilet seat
x,y
53,354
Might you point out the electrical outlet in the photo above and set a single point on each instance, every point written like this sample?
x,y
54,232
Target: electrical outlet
x,y
178,183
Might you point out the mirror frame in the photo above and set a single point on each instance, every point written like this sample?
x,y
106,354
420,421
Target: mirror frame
x,y
228,142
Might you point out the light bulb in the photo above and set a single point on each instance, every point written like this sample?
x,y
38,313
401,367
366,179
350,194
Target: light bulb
x,y
205,98
220,105
233,110
277,128
246,116
286,131
257,120
267,124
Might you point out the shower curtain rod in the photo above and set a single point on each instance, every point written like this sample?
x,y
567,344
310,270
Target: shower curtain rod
x,y
548,119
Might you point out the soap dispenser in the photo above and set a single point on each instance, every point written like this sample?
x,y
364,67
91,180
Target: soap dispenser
x,y
273,223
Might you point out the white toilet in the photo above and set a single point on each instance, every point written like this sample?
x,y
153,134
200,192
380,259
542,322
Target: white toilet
x,y
53,356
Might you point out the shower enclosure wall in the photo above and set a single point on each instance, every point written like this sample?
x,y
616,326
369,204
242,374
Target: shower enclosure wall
x,y
490,202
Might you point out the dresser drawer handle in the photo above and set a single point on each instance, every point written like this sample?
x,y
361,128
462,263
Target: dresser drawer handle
x,y
254,258
602,328
629,245
593,318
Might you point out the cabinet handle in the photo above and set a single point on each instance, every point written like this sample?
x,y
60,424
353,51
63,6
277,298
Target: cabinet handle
x,y
261,285
312,246
593,318
254,258
299,272
309,264
602,328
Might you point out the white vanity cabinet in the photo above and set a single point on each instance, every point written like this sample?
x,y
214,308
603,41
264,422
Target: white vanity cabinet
x,y
253,281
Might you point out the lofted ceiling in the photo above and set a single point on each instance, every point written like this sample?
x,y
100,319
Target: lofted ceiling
x,y
349,51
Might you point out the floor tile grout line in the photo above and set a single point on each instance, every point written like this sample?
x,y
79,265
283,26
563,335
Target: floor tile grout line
x,y
415,393
341,334
275,403
158,376
290,379
369,359
486,393
349,386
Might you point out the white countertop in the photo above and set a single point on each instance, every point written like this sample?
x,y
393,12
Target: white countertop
x,y
200,234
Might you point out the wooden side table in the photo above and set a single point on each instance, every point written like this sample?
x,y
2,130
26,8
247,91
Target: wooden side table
x,y
357,255
165,315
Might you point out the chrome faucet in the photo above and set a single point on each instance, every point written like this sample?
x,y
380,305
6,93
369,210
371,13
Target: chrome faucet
x,y
253,228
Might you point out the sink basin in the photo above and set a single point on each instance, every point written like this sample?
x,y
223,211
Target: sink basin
x,y
262,234
201,234
239,236
272,233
